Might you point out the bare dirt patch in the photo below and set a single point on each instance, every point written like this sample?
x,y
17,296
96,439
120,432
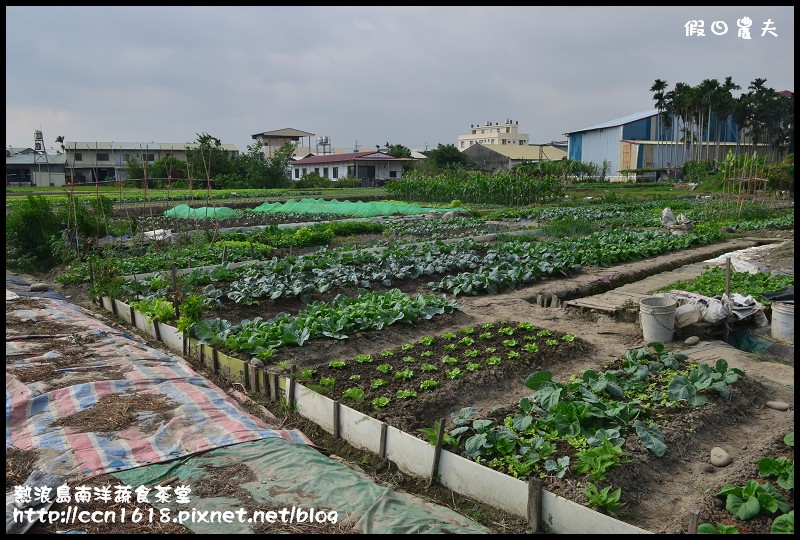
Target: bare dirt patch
x,y
115,412
19,465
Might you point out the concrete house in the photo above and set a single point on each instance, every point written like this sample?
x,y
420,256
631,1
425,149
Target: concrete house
x,y
505,134
100,161
372,167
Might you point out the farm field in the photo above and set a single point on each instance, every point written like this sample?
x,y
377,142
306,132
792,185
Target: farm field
x,y
476,326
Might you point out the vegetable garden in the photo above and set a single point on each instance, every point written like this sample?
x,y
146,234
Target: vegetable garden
x,y
370,313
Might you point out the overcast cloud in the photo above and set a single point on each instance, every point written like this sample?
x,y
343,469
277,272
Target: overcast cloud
x,y
411,75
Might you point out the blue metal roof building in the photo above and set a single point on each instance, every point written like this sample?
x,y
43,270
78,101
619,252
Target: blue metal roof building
x,y
639,140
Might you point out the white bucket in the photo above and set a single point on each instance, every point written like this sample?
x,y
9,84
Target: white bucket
x,y
782,327
657,314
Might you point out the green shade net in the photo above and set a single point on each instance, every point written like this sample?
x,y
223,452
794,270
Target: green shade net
x,y
272,473
347,208
184,211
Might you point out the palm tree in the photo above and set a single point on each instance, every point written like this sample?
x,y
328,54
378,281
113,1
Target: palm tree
x,y
658,87
710,93
683,102
725,107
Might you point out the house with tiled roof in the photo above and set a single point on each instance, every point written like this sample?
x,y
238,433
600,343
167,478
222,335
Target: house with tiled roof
x,y
372,167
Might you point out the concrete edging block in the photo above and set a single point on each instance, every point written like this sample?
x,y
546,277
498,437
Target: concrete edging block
x,y
123,310
411,455
359,429
484,484
314,406
172,338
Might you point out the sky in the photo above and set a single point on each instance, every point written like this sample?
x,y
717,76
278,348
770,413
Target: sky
x,y
418,76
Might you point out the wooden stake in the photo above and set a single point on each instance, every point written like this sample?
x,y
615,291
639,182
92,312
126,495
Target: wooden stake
x,y
215,360
437,452
273,386
336,412
534,503
382,450
728,276
290,392
175,292
727,292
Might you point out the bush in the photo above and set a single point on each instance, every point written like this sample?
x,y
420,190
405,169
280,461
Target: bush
x,y
32,231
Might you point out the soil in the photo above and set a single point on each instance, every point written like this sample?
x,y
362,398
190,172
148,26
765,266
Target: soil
x,y
114,413
659,494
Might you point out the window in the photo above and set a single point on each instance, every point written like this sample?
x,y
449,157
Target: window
x,y
102,156
297,174
325,172
78,156
392,174
522,143
305,171
149,157
316,170
336,172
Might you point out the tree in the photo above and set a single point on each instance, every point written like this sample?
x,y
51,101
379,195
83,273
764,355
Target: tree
x,y
167,168
277,170
400,151
133,169
658,87
208,160
255,171
725,107
446,156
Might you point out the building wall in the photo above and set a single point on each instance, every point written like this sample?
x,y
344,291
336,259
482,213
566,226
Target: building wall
x,y
487,159
599,145
43,179
108,160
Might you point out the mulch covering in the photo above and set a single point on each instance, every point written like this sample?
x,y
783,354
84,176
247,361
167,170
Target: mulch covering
x,y
116,404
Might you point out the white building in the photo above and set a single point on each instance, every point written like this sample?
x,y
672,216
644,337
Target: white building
x,y
98,161
506,133
372,167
